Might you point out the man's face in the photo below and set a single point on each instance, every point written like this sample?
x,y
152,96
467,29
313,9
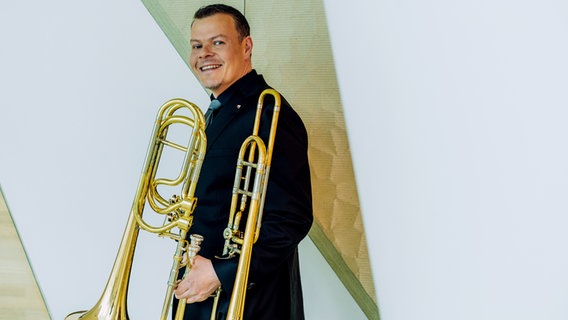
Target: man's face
x,y
218,58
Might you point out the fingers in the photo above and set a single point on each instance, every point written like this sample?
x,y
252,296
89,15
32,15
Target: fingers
x,y
200,282
191,295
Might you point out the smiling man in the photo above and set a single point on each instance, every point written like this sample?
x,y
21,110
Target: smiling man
x,y
221,50
220,54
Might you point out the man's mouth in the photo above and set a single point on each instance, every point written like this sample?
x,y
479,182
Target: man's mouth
x,y
210,67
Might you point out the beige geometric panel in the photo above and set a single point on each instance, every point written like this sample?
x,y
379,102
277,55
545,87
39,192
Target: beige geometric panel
x,y
294,35
293,51
20,297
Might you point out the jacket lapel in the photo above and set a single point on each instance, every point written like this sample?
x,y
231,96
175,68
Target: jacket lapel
x,y
226,114
238,102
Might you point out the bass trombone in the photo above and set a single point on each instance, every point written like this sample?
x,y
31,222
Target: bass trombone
x,y
177,209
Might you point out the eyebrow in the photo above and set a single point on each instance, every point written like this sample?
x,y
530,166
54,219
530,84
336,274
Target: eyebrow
x,y
209,39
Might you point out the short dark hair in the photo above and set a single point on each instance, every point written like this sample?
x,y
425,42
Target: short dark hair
x,y
241,23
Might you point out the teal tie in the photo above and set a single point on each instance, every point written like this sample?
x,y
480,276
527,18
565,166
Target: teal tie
x,y
210,114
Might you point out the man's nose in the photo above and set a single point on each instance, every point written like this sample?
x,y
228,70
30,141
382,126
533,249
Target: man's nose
x,y
206,50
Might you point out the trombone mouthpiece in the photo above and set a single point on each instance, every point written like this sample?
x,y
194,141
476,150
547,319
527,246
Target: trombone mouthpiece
x,y
196,239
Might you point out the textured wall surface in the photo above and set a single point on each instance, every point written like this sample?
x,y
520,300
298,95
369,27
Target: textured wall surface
x,y
20,297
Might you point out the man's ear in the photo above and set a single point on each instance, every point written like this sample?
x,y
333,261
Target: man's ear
x,y
248,45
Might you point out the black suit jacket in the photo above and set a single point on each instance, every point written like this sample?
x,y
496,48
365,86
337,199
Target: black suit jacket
x,y
274,280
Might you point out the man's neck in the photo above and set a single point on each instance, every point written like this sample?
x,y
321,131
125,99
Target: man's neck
x,y
225,94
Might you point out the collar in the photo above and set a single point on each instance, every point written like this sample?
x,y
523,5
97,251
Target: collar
x,y
245,85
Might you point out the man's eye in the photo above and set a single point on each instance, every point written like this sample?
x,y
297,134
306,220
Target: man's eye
x,y
196,46
218,42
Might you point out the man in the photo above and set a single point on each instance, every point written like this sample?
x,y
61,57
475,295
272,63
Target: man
x,y
221,49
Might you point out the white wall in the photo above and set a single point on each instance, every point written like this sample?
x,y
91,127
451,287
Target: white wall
x,y
81,82
456,113
462,182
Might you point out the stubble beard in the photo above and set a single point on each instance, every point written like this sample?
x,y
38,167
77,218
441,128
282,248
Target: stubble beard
x,y
209,84
213,87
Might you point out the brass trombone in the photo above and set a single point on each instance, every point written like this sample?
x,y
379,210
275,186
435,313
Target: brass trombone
x,y
247,187
178,209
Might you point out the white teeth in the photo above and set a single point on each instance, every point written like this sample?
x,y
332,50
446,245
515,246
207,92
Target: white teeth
x,y
209,67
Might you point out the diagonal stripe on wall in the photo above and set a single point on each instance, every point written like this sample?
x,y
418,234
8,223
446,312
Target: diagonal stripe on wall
x,y
20,297
294,35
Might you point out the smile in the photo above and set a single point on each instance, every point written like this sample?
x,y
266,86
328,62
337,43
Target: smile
x,y
210,67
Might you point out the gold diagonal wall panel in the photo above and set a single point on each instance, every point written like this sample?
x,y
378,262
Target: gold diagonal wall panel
x,y
20,297
293,51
